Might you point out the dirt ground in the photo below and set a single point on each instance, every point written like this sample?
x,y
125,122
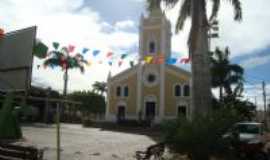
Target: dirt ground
x,y
78,143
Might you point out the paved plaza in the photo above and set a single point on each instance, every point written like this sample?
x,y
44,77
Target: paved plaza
x,y
78,143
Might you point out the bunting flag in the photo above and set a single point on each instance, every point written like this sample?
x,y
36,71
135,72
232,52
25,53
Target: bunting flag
x,y
185,60
159,60
40,50
109,54
110,63
148,59
89,63
85,50
71,48
123,56
96,52
120,63
100,62
171,61
2,33
55,45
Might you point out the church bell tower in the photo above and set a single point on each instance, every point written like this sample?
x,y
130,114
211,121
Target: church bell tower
x,y
154,41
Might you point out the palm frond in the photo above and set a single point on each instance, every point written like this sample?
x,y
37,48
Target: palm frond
x,y
81,68
52,62
184,13
236,69
170,3
237,9
215,9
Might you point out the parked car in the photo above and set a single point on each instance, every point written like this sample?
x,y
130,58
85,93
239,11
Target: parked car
x,y
248,140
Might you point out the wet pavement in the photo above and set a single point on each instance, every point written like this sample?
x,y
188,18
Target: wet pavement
x,y
78,143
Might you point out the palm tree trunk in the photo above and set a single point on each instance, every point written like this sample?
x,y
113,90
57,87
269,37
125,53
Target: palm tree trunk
x,y
201,80
65,82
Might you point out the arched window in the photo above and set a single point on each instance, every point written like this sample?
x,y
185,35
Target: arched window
x,y
177,90
152,47
118,91
126,91
186,90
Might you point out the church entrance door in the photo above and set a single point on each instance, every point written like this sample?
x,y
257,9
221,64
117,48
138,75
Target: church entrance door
x,y
150,110
121,113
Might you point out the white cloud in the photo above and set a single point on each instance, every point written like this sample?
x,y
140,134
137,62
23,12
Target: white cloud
x,y
243,38
61,21
255,61
125,24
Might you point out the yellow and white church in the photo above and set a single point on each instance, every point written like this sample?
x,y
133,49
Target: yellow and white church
x,y
150,91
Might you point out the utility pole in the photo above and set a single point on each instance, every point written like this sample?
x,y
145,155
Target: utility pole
x,y
264,103
255,101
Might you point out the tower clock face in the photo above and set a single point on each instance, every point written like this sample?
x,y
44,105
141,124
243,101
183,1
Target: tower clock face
x,y
150,78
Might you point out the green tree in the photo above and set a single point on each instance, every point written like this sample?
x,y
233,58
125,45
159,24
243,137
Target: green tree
x,y
225,75
198,44
62,58
200,138
9,126
100,87
91,102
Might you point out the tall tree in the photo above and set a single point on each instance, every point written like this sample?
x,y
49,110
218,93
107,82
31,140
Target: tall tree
x,y
198,44
100,87
224,74
62,58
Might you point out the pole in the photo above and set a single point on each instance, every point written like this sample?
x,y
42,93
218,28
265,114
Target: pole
x,y
264,103
58,131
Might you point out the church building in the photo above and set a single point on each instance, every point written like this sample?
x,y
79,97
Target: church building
x,y
150,91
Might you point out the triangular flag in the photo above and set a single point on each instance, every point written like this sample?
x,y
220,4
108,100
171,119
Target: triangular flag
x,y
171,61
185,60
110,63
148,59
96,52
159,59
100,62
2,33
120,63
123,56
85,50
71,48
55,45
89,63
109,54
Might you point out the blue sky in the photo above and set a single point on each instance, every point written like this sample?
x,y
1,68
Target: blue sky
x,y
112,25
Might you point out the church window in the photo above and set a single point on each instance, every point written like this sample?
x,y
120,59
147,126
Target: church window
x,y
126,91
118,91
177,90
152,47
186,90
182,111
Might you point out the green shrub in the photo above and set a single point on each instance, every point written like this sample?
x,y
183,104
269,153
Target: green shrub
x,y
201,137
9,126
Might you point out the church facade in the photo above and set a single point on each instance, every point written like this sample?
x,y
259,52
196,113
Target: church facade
x,y
150,91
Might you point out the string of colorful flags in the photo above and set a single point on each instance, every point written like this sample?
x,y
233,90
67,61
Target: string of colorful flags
x,y
111,57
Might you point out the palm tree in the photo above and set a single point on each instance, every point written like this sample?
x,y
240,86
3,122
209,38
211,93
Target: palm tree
x,y
198,44
100,87
224,74
62,58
